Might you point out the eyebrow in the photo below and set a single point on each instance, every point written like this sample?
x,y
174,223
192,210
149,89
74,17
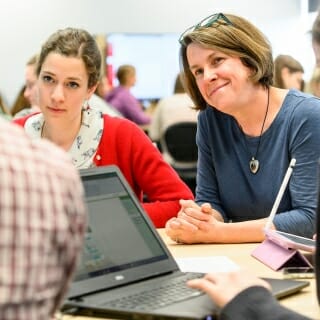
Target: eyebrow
x,y
69,78
210,56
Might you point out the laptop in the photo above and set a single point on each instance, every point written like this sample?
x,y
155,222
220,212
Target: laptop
x,y
124,256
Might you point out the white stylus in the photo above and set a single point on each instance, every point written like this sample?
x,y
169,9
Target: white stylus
x,y
280,193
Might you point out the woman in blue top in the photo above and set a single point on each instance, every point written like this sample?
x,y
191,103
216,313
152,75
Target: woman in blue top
x,y
248,131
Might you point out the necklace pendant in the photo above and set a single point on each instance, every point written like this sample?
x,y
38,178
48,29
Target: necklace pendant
x,y
254,165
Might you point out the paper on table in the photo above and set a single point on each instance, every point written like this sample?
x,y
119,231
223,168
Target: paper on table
x,y
207,264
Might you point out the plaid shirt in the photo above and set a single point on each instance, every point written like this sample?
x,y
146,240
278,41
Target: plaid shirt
x,y
42,221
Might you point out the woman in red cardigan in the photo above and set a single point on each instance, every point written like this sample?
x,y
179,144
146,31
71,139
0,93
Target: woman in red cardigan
x,y
68,72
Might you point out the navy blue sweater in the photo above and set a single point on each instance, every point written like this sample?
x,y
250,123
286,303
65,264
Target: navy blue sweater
x,y
224,178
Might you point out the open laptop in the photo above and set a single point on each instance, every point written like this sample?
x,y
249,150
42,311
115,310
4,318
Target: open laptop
x,y
124,255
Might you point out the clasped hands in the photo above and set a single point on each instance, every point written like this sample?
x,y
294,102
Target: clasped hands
x,y
194,223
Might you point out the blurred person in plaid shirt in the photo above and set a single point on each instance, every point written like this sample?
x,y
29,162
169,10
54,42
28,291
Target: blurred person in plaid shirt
x,y
42,222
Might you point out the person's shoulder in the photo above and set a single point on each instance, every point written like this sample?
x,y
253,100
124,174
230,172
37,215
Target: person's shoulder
x,y
115,91
297,96
116,122
302,103
211,112
300,108
100,104
22,120
24,112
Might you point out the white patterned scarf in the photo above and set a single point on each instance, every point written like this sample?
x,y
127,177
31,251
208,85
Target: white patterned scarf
x,y
85,145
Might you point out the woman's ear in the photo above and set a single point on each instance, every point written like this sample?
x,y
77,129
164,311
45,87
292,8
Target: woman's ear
x,y
91,91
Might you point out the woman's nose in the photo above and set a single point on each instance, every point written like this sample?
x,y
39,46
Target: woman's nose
x,y
58,93
210,74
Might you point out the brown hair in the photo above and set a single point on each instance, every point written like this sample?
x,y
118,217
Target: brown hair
x,y
178,86
33,60
75,43
315,31
20,102
240,39
3,107
314,81
285,61
123,72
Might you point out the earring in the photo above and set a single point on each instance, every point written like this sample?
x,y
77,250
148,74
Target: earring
x,y
85,105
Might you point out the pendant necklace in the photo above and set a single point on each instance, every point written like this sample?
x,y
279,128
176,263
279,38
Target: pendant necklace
x,y
254,162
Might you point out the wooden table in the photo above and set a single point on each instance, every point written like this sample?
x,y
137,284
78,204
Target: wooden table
x,y
304,302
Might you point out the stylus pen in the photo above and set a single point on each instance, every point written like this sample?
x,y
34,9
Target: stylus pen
x,y
280,193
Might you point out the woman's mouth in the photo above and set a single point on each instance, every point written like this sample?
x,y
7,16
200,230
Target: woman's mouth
x,y
216,88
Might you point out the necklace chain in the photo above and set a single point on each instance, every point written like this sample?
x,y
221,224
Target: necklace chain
x,y
254,162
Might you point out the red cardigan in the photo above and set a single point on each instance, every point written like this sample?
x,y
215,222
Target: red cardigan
x,y
124,144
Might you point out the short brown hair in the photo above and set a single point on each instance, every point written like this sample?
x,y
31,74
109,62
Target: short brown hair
x,y
123,72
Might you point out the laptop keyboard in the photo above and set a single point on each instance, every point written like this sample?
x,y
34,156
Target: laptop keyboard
x,y
174,291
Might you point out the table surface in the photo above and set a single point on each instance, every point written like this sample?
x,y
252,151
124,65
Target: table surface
x,y
304,302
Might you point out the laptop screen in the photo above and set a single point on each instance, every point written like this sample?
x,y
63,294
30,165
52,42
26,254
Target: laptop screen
x,y
115,219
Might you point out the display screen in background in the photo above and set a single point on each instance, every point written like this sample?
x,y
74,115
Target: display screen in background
x,y
155,57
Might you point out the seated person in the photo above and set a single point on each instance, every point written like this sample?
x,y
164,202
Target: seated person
x,y
248,131
68,72
20,104
123,100
314,84
288,73
170,110
30,92
4,113
42,223
98,102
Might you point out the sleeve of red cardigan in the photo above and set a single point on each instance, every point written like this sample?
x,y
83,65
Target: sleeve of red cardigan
x,y
158,180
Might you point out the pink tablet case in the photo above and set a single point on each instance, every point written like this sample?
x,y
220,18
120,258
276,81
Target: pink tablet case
x,y
277,257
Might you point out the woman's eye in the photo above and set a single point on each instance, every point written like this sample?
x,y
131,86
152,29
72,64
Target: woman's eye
x,y
197,73
217,60
47,79
73,85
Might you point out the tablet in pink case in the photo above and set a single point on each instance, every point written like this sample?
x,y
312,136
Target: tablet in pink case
x,y
277,257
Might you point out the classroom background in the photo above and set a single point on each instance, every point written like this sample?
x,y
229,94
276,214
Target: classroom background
x,y
26,24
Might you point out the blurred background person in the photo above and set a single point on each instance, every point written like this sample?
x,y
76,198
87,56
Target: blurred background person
x,y
4,113
177,144
313,86
30,92
20,102
98,102
123,100
315,36
170,110
288,73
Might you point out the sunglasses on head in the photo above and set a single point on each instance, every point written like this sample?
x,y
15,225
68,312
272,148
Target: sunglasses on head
x,y
216,18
